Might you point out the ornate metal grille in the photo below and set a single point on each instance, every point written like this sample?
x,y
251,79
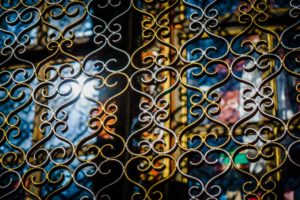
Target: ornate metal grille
x,y
149,99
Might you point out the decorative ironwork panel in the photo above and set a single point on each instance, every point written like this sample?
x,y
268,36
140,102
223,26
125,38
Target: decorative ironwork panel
x,y
149,99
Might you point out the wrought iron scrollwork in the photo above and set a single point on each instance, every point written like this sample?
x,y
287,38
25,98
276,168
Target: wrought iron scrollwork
x,y
123,99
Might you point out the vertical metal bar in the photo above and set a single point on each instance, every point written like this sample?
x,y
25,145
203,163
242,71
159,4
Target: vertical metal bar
x,y
275,109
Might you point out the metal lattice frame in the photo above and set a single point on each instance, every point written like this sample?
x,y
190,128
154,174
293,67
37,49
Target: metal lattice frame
x,y
99,72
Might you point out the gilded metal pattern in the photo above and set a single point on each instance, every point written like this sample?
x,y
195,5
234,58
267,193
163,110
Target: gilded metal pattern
x,y
99,112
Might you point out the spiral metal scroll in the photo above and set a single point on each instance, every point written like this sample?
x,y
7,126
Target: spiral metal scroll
x,y
90,92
